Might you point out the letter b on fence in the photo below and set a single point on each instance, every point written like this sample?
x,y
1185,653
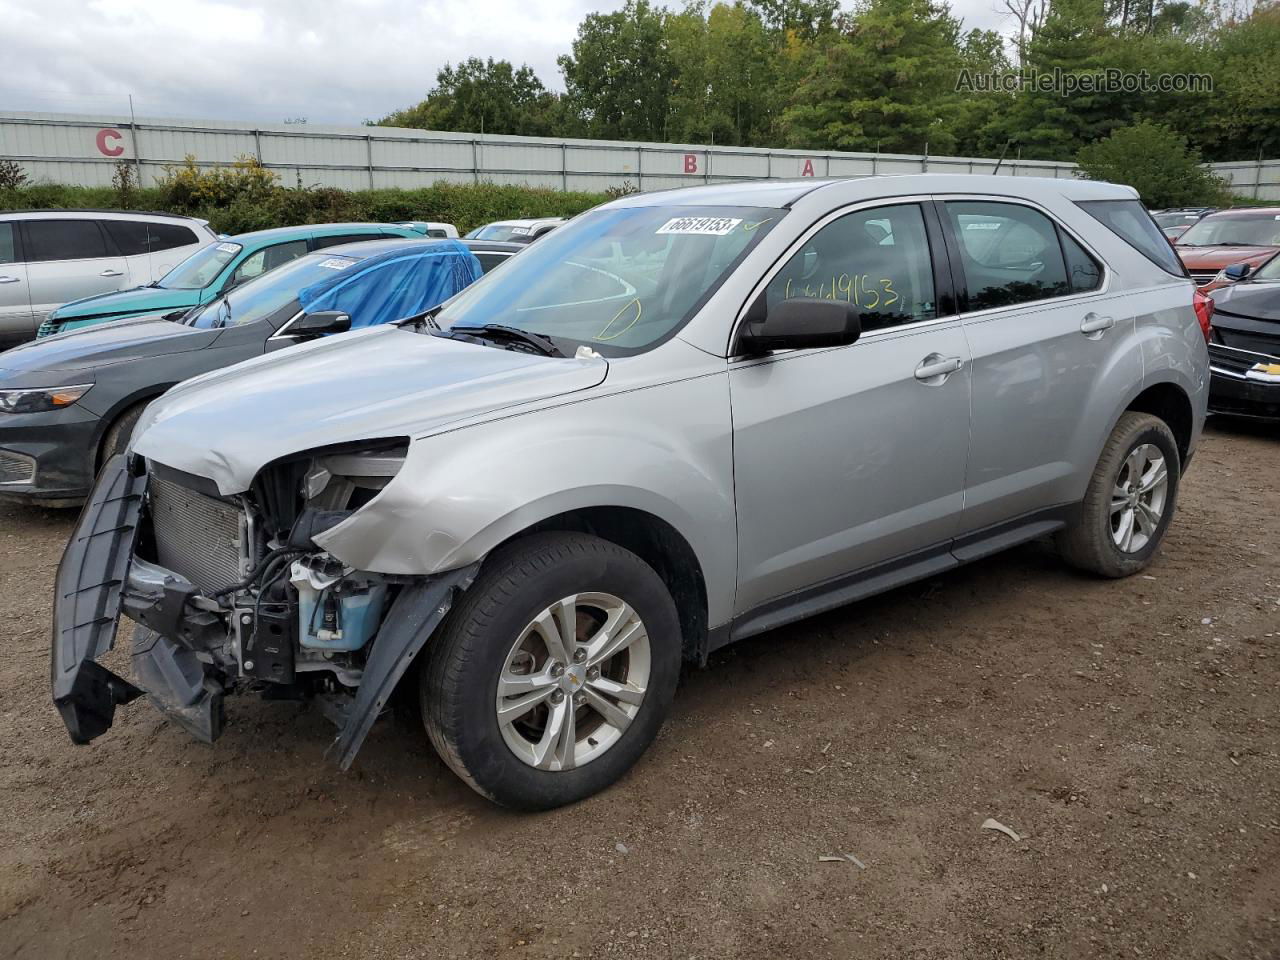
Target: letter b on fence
x,y
690,163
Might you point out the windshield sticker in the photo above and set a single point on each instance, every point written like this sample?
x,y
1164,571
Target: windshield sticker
x,y
700,226
336,263
519,231
229,247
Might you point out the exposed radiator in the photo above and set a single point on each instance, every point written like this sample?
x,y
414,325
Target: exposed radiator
x,y
197,536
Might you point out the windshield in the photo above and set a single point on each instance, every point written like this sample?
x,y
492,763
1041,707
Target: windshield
x,y
201,268
619,281
1175,219
264,295
1269,270
502,231
1261,230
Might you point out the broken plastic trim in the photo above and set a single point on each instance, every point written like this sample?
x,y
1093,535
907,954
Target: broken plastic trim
x,y
413,617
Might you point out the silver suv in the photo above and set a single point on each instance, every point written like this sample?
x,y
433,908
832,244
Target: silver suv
x,y
680,420
51,257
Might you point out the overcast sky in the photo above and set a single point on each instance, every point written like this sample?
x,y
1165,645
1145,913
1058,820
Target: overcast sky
x,y
331,61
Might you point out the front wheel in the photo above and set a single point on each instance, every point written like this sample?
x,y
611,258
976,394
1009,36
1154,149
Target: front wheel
x,y
554,672
1130,500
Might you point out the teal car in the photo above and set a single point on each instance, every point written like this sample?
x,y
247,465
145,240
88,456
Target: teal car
x,y
213,270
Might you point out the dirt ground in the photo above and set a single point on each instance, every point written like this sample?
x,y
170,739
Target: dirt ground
x,y
1128,731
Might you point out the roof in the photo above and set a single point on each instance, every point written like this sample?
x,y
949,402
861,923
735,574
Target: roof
x,y
101,210
783,193
1246,213
527,222
372,248
306,229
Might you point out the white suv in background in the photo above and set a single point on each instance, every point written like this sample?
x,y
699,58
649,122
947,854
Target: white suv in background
x,y
50,257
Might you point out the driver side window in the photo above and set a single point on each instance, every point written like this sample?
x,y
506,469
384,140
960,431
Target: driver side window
x,y
876,259
1010,253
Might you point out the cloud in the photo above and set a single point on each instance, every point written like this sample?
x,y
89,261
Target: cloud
x,y
331,61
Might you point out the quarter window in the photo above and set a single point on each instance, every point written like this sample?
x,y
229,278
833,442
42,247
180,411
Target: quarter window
x,y
1083,272
877,260
64,240
8,246
341,238
168,236
1010,253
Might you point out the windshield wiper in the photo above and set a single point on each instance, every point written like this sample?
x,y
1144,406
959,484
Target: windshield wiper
x,y
498,331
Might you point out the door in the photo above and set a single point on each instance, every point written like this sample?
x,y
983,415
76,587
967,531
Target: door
x,y
849,457
1041,330
69,259
16,324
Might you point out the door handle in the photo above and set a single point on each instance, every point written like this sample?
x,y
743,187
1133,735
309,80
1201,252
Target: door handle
x,y
1095,324
935,368
9,280
111,273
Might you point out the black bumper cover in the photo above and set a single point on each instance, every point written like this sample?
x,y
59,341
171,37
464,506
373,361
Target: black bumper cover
x,y
86,604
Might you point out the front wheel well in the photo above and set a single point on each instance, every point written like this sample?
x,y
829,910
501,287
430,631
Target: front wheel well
x,y
658,544
1171,404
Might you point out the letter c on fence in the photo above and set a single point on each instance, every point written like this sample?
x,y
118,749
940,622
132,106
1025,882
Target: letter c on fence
x,y
690,163
108,134
808,169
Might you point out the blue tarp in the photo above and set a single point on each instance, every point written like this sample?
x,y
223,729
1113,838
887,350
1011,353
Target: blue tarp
x,y
395,285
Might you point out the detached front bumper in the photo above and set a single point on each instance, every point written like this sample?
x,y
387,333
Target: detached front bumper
x,y
180,657
1238,387
86,604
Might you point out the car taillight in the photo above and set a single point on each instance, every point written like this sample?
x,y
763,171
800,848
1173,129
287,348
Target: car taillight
x,y
1203,304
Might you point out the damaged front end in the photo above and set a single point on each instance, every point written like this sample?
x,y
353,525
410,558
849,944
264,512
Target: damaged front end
x,y
232,594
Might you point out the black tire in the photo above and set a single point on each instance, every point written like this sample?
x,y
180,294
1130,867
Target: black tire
x,y
117,436
458,684
1087,543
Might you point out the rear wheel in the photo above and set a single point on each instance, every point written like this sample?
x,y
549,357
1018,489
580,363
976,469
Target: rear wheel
x,y
1130,500
554,672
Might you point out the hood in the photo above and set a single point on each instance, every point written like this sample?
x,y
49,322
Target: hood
x,y
1258,300
1215,258
137,300
374,383
105,343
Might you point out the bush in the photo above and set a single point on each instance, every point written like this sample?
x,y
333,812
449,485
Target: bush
x,y
1158,163
11,176
247,196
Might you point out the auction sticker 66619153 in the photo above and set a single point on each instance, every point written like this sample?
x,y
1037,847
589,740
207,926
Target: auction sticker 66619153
x,y
704,226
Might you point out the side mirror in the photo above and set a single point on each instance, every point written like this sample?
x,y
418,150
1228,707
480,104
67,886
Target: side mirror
x,y
799,323
1238,271
320,324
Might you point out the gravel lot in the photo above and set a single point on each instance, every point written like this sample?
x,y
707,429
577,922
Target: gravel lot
x,y
1128,731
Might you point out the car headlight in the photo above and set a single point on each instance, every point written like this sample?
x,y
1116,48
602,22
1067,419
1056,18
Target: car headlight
x,y
40,399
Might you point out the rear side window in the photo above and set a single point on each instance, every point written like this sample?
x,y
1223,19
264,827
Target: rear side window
x,y
64,240
877,260
490,260
1010,253
167,236
8,244
1129,220
129,236
135,237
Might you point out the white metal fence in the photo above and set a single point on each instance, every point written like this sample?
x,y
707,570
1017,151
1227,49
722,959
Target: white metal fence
x,y
83,149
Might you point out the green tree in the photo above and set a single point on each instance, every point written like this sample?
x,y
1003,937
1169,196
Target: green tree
x,y
1157,162
724,75
889,81
618,78
483,96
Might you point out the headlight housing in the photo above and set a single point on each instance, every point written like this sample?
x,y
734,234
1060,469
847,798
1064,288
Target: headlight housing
x,y
41,399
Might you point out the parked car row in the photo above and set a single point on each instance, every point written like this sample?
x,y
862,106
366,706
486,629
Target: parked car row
x,y
48,257
680,419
